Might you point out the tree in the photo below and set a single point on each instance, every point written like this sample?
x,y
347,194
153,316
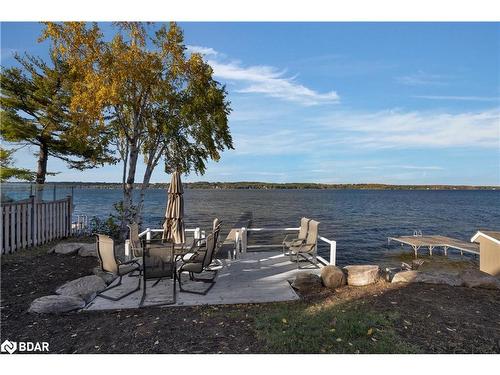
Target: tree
x,y
157,102
7,171
35,111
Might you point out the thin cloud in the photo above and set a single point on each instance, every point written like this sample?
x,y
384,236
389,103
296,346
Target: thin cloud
x,y
369,131
408,167
270,81
460,98
206,51
421,78
423,130
265,80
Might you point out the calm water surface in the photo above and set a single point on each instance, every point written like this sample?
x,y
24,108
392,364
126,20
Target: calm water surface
x,y
359,220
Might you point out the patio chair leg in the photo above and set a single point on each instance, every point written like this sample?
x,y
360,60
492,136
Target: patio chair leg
x,y
208,281
156,282
313,261
174,300
100,294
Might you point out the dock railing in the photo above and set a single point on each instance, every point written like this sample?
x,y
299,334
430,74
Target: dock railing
x,y
241,241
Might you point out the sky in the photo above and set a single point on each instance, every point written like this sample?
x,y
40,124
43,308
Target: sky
x,y
397,103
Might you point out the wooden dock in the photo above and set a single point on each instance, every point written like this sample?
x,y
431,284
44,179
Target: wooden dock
x,y
433,241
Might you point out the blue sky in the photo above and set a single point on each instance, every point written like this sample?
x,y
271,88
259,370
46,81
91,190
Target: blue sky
x,y
401,103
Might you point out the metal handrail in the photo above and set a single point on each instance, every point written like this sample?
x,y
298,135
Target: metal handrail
x,y
159,230
242,241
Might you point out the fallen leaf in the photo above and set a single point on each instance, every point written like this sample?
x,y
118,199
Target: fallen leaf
x,y
370,331
284,321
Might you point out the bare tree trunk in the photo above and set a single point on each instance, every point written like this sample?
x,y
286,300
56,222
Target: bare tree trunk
x,y
41,173
43,156
128,215
125,160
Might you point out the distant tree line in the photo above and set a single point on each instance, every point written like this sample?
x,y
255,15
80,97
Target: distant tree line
x,y
271,186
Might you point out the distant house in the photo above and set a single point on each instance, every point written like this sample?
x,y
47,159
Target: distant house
x,y
489,250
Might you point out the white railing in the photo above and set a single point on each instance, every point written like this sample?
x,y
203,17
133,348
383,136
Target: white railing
x,y
197,234
242,242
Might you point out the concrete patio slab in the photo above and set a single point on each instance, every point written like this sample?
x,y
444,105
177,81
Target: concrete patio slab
x,y
255,277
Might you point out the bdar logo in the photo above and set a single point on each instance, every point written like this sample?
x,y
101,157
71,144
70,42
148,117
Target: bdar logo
x,y
8,346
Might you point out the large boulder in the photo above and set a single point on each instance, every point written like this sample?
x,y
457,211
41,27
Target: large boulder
x,y
66,248
388,273
306,282
473,278
88,250
439,278
404,277
362,275
427,278
107,277
85,287
56,304
333,277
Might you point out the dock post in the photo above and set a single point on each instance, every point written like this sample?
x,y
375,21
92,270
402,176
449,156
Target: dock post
x,y
237,243
244,236
333,252
127,249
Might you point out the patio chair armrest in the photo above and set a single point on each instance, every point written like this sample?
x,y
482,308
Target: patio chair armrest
x,y
192,256
305,248
293,241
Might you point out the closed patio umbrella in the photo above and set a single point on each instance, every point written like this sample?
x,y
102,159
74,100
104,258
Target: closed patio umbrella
x,y
173,227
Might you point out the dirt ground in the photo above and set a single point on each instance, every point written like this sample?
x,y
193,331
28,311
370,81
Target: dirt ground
x,y
435,318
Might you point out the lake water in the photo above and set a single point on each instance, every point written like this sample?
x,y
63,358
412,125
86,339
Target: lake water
x,y
359,220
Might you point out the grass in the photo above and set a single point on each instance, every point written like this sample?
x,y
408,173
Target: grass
x,y
348,328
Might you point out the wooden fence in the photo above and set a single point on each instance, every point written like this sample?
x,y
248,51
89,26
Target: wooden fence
x,y
30,223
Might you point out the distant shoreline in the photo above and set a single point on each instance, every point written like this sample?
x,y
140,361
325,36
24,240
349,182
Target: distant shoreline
x,y
266,186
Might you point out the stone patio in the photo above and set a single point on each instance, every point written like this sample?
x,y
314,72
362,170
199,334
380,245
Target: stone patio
x,y
256,277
